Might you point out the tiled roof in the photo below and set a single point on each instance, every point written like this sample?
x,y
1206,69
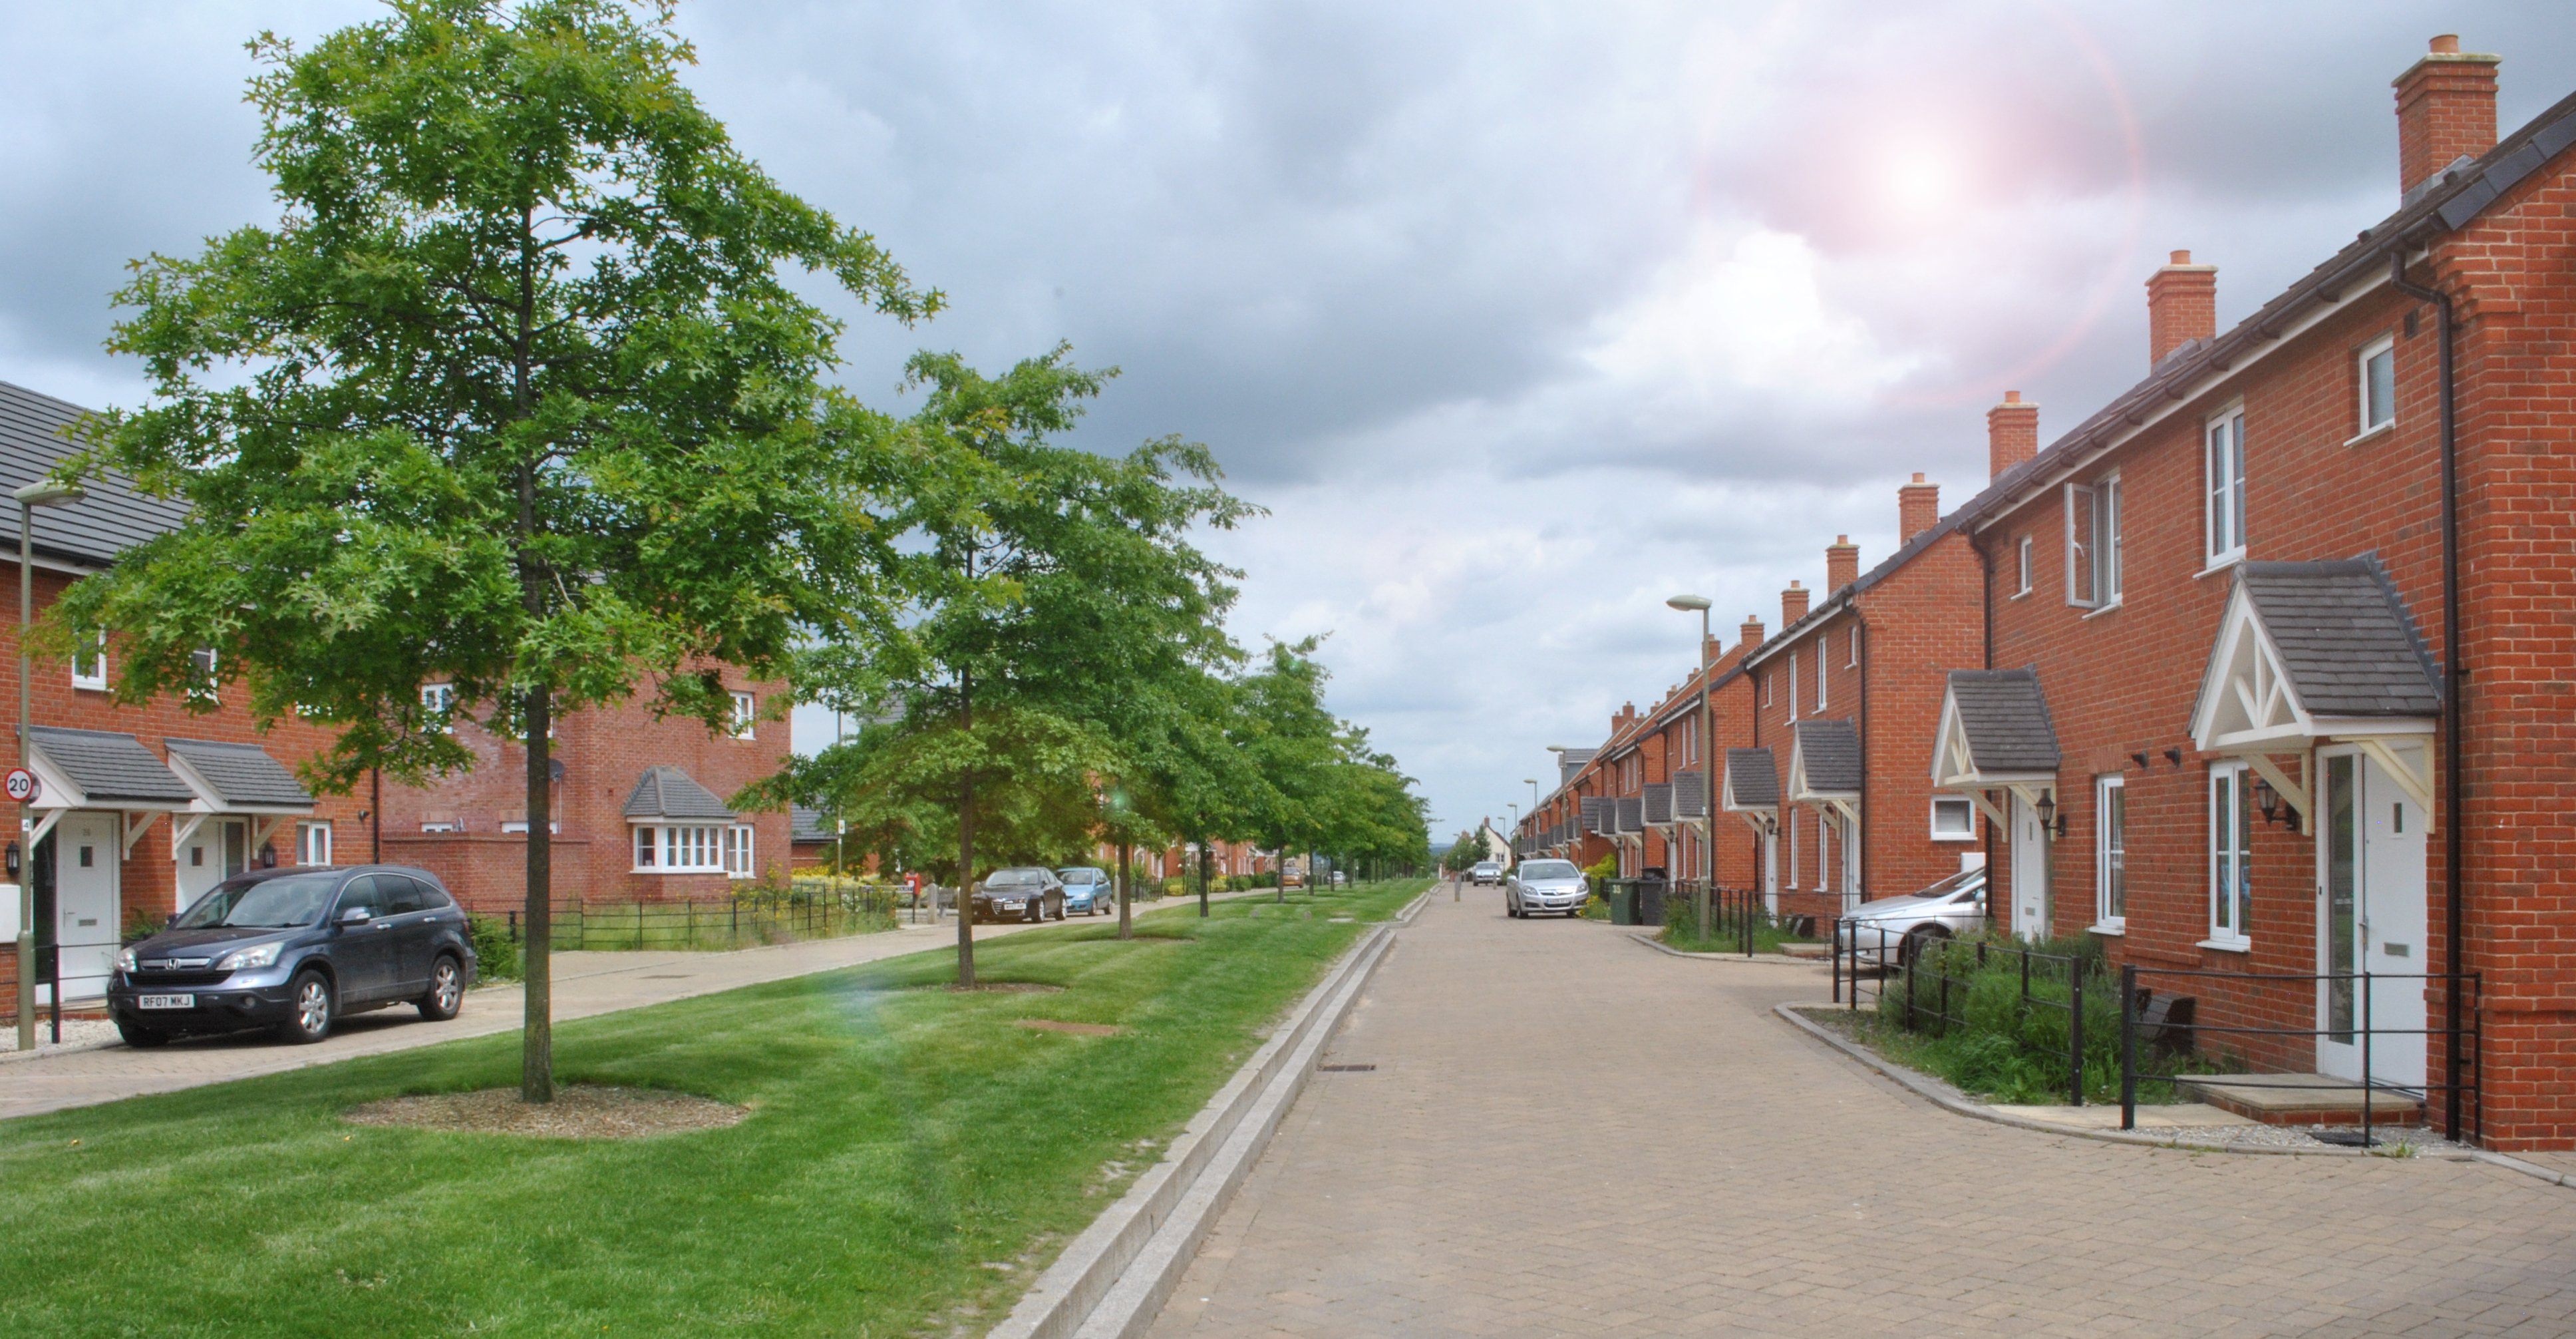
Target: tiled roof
x,y
107,765
241,774
1632,813
1752,781
2005,718
1829,756
1600,815
667,792
807,825
2346,643
1659,802
92,531
1690,795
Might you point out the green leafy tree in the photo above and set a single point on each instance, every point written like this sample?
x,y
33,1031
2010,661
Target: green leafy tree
x,y
1057,601
520,396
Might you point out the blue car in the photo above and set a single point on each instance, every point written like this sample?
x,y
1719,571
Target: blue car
x,y
1088,891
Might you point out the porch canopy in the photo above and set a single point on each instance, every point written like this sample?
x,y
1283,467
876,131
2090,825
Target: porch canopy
x,y
2319,653
1659,804
1600,816
1752,788
1824,766
1690,795
100,769
1631,812
234,780
1995,734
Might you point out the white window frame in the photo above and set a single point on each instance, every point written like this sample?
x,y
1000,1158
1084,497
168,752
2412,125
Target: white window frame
x,y
2094,563
1793,690
516,825
2374,417
1959,804
738,851
447,826
685,848
1854,662
204,656
313,842
746,715
96,680
2025,568
1766,690
2222,487
2110,851
1824,664
2230,869
439,700
1792,825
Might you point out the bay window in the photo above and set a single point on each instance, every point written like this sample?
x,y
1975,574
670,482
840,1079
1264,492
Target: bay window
x,y
694,848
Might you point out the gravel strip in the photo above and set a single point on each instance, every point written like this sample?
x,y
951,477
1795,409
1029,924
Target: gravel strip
x,y
78,1034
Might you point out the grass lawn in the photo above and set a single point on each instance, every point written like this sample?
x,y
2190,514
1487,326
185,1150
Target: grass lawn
x,y
911,1159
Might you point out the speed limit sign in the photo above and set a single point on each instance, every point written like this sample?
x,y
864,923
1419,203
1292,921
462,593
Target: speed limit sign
x,y
21,785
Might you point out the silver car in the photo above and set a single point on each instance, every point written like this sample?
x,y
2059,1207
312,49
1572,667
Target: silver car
x,y
1890,931
1552,886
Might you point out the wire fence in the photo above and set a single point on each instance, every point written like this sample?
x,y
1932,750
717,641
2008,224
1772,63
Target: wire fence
x,y
809,908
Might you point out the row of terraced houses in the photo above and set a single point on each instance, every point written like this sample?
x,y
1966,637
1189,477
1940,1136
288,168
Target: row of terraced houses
x,y
2265,668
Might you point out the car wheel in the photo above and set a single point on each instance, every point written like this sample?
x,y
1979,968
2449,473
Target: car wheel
x,y
310,999
446,991
1914,944
140,1037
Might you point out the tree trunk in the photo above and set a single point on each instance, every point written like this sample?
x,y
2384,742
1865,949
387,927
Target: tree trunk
x,y
1126,889
966,882
537,1036
1205,860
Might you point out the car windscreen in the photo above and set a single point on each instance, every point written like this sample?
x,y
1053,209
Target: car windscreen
x,y
1081,876
293,899
1955,884
1549,869
1014,878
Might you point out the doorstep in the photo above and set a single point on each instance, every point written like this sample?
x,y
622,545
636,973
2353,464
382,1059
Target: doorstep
x,y
2179,1116
2301,1099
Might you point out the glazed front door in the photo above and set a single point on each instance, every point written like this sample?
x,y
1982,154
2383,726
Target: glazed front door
x,y
2370,920
85,913
2029,872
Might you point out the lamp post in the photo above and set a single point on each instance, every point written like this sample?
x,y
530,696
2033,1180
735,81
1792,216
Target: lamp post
x,y
1707,762
42,493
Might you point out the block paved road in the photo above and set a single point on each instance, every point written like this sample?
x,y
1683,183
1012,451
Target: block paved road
x,y
1569,1134
585,984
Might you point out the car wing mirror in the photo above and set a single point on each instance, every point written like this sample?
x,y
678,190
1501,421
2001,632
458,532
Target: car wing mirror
x,y
356,916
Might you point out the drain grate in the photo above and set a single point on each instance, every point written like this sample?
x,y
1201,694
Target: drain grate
x,y
1346,1069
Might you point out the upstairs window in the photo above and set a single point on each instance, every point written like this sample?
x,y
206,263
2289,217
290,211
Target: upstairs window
x,y
2378,385
1793,688
1821,663
2093,559
746,715
1854,662
89,665
204,659
436,701
2025,568
2224,470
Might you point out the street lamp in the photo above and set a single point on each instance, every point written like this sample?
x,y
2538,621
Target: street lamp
x,y
42,493
1707,760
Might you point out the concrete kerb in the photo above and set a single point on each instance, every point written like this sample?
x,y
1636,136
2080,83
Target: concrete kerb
x,y
1772,959
1951,1099
1115,1276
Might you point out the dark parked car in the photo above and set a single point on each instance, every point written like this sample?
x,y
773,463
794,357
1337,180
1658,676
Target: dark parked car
x,y
295,949
1021,893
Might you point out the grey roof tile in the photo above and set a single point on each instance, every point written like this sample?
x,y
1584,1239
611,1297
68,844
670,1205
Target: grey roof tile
x,y
1600,815
1690,794
92,531
2005,717
667,792
807,825
1659,802
1632,813
109,765
1752,779
241,774
1829,753
2347,644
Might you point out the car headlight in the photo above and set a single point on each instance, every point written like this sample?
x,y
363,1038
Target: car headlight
x,y
125,961
252,958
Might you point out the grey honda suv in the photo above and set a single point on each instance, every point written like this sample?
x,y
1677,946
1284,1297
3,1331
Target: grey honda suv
x,y
294,949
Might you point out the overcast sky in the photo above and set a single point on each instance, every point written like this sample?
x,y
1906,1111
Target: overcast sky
x,y
1518,318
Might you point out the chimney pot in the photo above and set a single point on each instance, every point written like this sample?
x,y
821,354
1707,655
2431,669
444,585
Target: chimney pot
x,y
1842,563
2445,111
1793,604
1749,633
2182,306
1918,508
2012,434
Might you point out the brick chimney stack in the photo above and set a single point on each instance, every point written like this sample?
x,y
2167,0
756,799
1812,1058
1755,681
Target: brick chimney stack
x,y
1918,504
1793,604
2182,305
2445,108
1749,635
1842,563
2012,434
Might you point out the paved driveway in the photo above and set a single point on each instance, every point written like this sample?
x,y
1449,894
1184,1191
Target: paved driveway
x,y
585,984
1569,1134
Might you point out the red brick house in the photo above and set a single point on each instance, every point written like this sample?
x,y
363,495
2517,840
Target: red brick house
x,y
2280,670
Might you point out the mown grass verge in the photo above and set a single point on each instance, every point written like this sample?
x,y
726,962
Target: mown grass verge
x,y
911,1159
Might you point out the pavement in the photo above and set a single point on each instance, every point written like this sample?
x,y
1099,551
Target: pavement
x,y
1566,1135
585,984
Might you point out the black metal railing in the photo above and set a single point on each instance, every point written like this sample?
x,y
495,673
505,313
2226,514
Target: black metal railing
x,y
2144,1016
1737,917
1934,976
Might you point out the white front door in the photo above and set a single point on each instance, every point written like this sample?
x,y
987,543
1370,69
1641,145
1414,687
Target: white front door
x,y
85,911
1847,836
1771,872
2029,872
2370,923
216,851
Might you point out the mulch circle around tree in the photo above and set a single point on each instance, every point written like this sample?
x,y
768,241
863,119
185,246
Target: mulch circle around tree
x,y
580,1111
